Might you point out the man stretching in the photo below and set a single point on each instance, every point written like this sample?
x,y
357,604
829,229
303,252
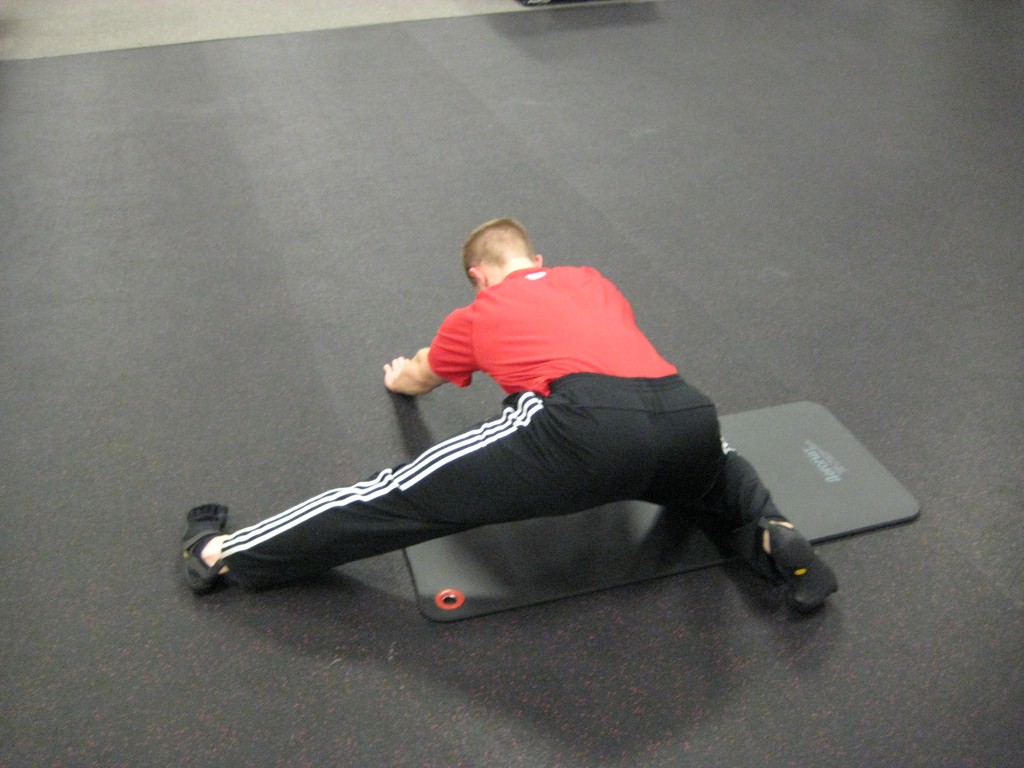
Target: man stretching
x,y
594,414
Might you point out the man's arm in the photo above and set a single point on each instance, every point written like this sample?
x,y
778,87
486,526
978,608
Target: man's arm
x,y
411,377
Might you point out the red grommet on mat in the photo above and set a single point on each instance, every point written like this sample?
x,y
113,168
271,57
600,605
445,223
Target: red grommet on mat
x,y
449,599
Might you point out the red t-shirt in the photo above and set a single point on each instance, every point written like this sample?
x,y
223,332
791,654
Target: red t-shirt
x,y
539,324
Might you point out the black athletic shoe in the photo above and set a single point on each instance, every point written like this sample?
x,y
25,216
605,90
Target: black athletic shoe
x,y
809,579
202,523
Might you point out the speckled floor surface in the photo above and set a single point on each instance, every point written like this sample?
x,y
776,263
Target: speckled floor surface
x,y
208,250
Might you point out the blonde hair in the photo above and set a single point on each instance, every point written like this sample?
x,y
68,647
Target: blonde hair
x,y
493,241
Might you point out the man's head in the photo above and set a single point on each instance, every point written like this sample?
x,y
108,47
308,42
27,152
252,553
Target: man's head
x,y
492,245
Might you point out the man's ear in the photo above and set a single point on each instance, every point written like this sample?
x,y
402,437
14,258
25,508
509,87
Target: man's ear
x,y
538,260
476,276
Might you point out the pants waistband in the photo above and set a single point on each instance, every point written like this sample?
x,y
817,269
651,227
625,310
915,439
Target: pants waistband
x,y
668,393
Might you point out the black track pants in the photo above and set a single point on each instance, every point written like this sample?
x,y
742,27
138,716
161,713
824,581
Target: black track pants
x,y
595,439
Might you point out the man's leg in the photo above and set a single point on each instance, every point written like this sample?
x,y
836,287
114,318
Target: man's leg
x,y
534,459
763,537
433,495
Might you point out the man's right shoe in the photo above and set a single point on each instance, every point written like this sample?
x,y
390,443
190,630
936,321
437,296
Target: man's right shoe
x,y
809,579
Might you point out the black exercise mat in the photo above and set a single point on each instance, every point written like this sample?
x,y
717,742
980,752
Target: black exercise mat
x,y
820,475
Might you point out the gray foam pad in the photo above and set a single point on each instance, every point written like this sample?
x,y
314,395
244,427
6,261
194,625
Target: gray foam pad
x,y
820,476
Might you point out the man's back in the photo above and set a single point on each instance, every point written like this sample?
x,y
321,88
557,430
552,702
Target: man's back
x,y
540,324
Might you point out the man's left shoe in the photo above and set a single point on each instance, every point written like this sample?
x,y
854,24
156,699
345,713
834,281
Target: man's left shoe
x,y
202,523
809,579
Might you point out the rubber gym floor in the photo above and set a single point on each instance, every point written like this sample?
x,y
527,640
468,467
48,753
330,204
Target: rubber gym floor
x,y
208,249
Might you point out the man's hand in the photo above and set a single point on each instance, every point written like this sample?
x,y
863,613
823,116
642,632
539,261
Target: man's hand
x,y
411,376
392,370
